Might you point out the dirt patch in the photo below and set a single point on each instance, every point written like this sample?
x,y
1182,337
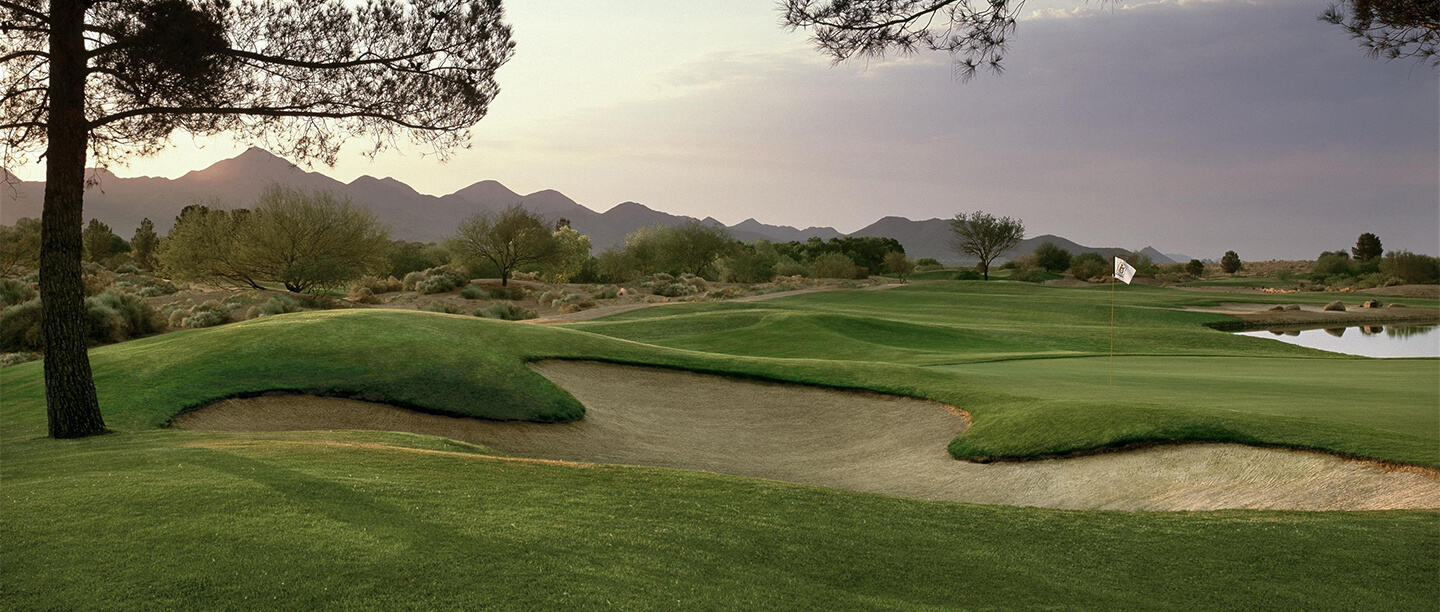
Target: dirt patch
x,y
856,441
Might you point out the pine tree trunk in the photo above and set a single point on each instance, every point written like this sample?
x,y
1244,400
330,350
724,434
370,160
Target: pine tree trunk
x,y
70,400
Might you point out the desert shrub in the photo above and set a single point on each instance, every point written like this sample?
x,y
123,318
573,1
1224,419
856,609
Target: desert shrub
x,y
96,279
10,359
127,268
571,298
928,261
1411,267
577,306
507,293
15,292
835,265
1195,268
786,266
608,292
208,314
1037,275
724,293
548,298
411,279
674,290
1087,266
368,286
279,304
441,307
472,291
20,327
135,315
506,311
1009,265
967,275
109,317
1051,257
436,284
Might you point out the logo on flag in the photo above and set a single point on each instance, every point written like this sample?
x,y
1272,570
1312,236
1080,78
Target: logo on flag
x,y
1124,271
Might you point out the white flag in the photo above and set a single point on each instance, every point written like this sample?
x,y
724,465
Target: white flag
x,y
1124,271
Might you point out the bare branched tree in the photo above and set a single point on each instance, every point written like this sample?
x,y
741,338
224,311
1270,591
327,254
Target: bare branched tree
x,y
975,32
110,79
1391,29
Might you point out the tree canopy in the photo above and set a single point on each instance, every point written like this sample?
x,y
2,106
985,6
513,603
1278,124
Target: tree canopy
x,y
1230,262
506,240
1367,247
110,78
984,236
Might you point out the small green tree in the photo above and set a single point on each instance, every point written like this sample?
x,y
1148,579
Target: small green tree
x,y
1195,268
1086,266
1411,267
143,244
985,236
834,265
310,241
506,240
1367,247
574,250
19,246
1230,263
203,246
693,247
750,263
97,240
1051,257
900,265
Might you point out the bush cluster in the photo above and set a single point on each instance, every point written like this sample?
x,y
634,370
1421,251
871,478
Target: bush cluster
x,y
967,275
207,314
15,292
1036,275
506,311
673,290
1088,266
109,317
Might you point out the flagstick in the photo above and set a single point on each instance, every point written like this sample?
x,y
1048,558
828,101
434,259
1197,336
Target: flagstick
x,y
1112,331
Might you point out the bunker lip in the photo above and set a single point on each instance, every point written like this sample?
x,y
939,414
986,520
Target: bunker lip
x,y
857,441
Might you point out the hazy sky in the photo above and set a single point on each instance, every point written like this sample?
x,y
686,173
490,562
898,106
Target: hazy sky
x,y
1193,126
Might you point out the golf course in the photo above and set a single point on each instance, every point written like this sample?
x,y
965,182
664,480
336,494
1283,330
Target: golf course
x,y
938,444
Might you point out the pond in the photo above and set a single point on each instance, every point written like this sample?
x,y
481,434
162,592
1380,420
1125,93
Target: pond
x,y
1400,340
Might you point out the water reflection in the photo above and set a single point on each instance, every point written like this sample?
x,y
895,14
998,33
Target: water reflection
x,y
1404,340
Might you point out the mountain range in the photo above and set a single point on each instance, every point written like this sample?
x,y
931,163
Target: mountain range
x,y
121,202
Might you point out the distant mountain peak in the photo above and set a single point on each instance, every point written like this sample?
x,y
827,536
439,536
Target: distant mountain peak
x,y
625,207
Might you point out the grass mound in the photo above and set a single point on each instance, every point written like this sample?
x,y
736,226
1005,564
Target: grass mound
x,y
463,366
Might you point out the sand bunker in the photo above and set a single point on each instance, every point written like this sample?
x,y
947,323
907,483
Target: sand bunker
x,y
857,441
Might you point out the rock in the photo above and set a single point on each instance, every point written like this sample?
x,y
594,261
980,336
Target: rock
x,y
1292,307
1335,305
1371,304
1276,308
1394,305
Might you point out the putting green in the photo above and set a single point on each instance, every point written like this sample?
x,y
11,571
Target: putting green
x,y
1396,395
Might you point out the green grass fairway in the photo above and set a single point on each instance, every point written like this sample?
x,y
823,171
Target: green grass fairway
x,y
181,520
152,518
